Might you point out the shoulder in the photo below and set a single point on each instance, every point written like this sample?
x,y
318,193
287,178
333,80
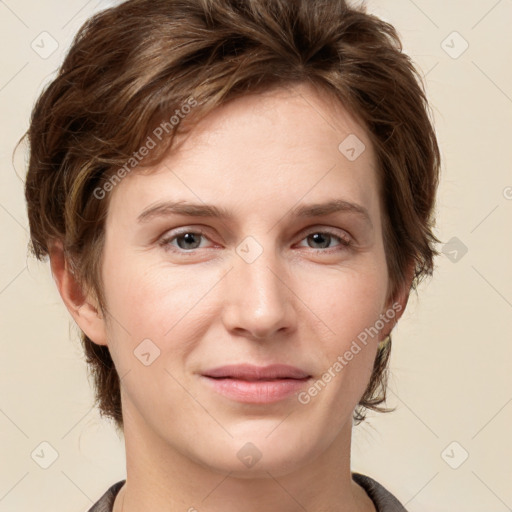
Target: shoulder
x,y
106,502
384,501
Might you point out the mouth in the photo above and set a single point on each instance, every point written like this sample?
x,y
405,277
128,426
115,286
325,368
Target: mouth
x,y
256,373
256,384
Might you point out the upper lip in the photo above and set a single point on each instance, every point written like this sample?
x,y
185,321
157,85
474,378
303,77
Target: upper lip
x,y
251,372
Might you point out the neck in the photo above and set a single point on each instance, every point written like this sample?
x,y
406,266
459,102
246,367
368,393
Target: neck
x,y
162,478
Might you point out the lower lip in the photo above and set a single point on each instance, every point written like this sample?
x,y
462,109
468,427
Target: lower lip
x,y
257,392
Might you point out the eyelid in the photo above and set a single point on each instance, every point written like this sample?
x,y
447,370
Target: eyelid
x,y
172,234
346,241
340,233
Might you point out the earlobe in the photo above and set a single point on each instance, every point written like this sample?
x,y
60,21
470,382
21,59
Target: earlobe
x,y
82,305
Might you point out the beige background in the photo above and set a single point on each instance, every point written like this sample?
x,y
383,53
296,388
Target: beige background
x,y
451,366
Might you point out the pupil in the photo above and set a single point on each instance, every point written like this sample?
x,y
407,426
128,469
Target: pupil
x,y
188,238
317,237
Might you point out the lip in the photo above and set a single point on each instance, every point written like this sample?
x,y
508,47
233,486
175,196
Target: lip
x,y
256,384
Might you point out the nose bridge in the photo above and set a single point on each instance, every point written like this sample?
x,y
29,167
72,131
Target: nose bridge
x,y
257,298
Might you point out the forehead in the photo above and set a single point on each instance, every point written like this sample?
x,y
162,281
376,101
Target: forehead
x,y
302,115
271,148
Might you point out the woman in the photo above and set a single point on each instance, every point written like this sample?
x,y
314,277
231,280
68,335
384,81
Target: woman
x,y
236,198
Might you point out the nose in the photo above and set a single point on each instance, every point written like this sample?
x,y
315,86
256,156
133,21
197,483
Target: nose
x,y
258,301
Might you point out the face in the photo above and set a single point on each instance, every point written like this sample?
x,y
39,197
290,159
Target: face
x,y
237,273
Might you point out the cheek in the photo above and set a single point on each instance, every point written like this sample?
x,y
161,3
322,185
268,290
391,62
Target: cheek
x,y
149,299
348,306
347,300
152,300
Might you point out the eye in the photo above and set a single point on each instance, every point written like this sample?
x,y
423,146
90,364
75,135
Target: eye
x,y
324,239
185,241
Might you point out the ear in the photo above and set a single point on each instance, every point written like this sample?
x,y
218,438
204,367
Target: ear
x,y
83,306
398,302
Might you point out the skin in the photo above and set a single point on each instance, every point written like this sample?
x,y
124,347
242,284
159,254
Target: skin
x,y
302,302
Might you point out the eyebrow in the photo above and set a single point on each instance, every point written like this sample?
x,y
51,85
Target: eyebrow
x,y
208,210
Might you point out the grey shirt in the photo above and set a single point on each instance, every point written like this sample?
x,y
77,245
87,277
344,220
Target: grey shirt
x,y
383,500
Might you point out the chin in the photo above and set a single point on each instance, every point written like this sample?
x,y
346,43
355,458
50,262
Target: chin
x,y
256,453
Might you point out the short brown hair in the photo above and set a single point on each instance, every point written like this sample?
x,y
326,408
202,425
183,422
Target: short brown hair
x,y
131,66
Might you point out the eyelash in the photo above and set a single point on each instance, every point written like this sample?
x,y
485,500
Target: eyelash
x,y
344,243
